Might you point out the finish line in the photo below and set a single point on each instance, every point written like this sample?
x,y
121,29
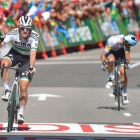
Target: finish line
x,y
74,128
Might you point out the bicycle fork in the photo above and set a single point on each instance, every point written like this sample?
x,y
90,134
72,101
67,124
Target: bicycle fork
x,y
117,73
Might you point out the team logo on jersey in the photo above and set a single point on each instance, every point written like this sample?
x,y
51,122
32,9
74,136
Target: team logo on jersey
x,y
23,44
11,56
23,74
108,47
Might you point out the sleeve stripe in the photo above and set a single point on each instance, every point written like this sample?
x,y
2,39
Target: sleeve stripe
x,y
3,42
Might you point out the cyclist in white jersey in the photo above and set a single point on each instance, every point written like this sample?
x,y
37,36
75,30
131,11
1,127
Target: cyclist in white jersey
x,y
118,48
25,43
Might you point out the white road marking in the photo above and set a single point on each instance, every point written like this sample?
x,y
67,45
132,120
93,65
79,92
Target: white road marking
x,y
68,62
80,62
135,65
43,96
127,114
136,123
111,95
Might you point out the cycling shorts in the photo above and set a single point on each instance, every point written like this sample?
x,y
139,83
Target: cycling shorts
x,y
17,58
119,56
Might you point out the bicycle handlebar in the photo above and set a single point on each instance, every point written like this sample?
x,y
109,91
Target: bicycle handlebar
x,y
13,68
17,69
117,62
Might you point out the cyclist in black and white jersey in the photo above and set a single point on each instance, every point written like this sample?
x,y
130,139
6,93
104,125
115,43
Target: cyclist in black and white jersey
x,y
118,48
25,43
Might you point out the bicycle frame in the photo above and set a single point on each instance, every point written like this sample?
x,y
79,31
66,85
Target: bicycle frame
x,y
117,82
17,92
13,100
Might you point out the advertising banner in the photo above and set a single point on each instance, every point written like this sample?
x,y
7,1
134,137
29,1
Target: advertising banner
x,y
85,34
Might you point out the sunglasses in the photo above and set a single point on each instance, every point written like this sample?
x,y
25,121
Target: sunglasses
x,y
27,29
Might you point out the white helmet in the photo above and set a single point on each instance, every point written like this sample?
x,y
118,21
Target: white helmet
x,y
25,21
130,40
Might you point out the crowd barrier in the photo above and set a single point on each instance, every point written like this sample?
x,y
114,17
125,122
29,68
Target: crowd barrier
x,y
92,31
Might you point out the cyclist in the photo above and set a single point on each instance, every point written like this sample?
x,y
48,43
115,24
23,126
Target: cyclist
x,y
25,43
118,48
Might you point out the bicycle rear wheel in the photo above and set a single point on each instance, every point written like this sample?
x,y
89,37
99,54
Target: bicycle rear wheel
x,y
11,109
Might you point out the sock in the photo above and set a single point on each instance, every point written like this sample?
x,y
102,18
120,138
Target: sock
x,y
21,109
124,89
6,85
110,74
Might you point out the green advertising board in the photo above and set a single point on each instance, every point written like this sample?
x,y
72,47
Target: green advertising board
x,y
106,27
85,34
132,26
47,40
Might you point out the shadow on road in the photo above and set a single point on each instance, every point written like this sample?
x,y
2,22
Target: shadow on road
x,y
138,86
110,108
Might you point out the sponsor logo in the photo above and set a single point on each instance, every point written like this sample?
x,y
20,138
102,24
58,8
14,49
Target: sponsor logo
x,y
84,34
108,47
27,45
75,128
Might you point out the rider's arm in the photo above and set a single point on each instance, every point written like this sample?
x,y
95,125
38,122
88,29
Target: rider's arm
x,y
103,57
32,58
103,54
1,44
1,41
5,40
33,51
127,54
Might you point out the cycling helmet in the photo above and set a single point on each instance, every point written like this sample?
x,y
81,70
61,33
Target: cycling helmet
x,y
25,21
130,40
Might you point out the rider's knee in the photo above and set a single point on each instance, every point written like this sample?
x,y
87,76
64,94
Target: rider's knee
x,y
5,62
123,73
23,90
111,59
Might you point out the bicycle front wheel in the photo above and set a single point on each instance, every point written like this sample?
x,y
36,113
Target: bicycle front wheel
x,y
118,90
11,111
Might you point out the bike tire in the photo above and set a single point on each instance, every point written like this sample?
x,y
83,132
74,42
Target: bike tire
x,y
118,90
11,111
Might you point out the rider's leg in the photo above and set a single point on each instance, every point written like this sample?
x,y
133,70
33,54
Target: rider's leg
x,y
5,77
22,99
110,58
24,82
7,62
124,84
123,76
23,93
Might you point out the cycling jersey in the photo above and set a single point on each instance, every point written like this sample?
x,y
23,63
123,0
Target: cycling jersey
x,y
22,46
113,43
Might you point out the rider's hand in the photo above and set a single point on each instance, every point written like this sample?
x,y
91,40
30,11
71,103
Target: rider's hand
x,y
1,38
32,70
104,67
129,66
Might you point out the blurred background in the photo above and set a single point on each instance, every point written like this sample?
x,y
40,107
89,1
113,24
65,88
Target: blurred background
x,y
72,25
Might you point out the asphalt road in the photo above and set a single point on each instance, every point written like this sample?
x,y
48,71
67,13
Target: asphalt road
x,y
71,90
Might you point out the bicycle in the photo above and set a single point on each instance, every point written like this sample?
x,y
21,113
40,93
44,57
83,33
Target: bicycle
x,y
117,84
13,100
